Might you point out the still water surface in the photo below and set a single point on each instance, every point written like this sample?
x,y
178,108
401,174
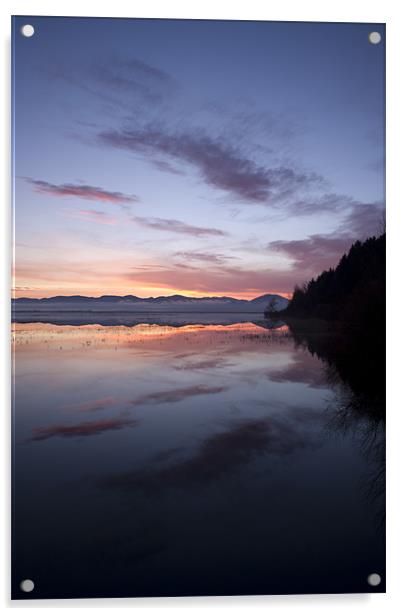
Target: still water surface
x,y
184,460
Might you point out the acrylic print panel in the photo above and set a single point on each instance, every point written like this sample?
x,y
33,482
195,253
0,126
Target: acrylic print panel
x,y
198,308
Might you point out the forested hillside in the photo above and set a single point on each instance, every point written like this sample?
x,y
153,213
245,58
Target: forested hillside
x,y
353,291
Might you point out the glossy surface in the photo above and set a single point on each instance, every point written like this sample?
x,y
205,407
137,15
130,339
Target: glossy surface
x,y
194,459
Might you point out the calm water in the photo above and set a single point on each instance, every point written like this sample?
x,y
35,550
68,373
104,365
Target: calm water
x,y
201,459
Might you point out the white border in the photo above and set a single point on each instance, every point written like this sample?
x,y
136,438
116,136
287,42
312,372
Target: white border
x,y
288,10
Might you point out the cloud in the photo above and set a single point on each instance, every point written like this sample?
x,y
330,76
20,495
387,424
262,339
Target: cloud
x,y
220,454
24,288
81,191
220,164
93,216
219,280
121,85
364,220
176,395
176,226
207,257
365,214
138,67
319,252
135,77
163,165
329,202
87,428
314,253
308,258
90,405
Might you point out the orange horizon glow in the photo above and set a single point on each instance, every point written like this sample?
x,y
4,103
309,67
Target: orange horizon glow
x,y
143,293
39,279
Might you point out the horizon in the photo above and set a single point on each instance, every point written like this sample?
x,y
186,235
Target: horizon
x,y
156,172
148,297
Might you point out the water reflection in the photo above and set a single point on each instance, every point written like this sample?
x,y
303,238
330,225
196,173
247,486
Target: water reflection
x,y
132,319
191,458
355,369
85,428
218,455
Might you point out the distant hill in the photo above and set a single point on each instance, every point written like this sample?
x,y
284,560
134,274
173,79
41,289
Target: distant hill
x,y
132,303
353,292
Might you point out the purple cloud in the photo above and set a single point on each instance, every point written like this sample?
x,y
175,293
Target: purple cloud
x,y
163,165
329,202
207,257
314,253
318,252
176,226
220,165
218,280
121,84
90,405
81,191
134,77
364,220
137,67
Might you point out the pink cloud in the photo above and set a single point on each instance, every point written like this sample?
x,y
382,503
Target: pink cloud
x,y
82,191
218,281
93,216
177,226
315,253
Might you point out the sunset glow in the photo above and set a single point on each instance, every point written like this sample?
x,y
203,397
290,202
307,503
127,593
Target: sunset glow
x,y
164,176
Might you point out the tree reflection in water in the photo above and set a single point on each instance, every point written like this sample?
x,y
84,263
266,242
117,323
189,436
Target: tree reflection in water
x,y
355,368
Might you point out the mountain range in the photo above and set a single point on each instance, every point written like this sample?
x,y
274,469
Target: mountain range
x,y
168,303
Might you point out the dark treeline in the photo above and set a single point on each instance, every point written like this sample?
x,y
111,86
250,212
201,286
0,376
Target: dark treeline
x,y
340,317
354,291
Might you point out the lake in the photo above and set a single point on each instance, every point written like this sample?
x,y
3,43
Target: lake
x,y
190,458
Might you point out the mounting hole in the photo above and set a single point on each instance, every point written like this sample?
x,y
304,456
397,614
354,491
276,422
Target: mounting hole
x,y
27,30
374,579
27,585
375,38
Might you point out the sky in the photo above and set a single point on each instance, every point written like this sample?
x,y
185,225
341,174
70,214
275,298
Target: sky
x,y
154,157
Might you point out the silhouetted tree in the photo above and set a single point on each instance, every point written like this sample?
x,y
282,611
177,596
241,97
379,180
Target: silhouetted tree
x,y
353,291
